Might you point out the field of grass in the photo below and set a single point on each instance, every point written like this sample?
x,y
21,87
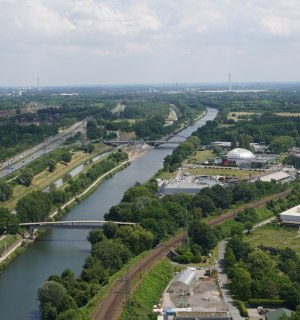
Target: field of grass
x,y
236,173
282,114
275,236
201,156
288,114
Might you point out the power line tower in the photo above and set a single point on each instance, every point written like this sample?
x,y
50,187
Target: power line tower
x,y
126,295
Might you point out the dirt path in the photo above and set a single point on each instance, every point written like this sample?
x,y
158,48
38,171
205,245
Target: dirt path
x,y
111,307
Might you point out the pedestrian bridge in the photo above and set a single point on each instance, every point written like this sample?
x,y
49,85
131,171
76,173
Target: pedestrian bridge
x,y
82,224
150,142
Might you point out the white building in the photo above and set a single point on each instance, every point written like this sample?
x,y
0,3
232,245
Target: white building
x,y
277,176
183,282
291,216
240,156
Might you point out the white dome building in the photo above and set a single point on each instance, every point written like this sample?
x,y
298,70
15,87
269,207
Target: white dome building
x,y
239,157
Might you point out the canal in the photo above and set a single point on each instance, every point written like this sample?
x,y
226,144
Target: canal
x,y
60,249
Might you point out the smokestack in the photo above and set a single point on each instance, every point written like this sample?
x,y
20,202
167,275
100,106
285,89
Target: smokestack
x,y
229,81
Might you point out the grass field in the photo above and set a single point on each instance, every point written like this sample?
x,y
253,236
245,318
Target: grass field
x,y
45,178
275,236
282,114
201,156
236,173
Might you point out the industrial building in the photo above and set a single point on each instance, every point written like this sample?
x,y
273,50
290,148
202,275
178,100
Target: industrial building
x,y
244,158
183,282
186,184
291,216
280,176
226,145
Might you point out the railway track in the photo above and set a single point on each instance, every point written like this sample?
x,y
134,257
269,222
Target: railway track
x,y
111,306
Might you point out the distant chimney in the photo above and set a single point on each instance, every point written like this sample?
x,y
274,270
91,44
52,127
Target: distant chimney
x,y
229,81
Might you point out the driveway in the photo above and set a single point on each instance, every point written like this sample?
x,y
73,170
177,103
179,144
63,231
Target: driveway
x,y
223,282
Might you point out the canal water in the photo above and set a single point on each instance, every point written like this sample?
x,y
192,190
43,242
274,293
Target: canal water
x,y
61,249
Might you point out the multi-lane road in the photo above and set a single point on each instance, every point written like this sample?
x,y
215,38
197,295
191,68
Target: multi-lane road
x,y
33,153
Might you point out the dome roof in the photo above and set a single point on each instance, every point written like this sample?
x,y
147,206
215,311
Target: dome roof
x,y
240,153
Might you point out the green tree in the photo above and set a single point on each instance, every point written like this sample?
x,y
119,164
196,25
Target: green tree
x,y
230,259
236,230
202,234
48,311
34,207
110,229
136,237
25,178
51,165
95,236
51,292
6,191
8,222
66,157
281,144
234,141
112,254
241,283
67,315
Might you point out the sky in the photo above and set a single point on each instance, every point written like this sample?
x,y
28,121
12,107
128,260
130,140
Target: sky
x,y
90,42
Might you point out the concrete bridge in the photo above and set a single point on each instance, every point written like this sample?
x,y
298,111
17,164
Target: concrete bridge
x,y
82,224
150,142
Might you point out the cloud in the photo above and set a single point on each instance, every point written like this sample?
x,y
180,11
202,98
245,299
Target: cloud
x,y
107,30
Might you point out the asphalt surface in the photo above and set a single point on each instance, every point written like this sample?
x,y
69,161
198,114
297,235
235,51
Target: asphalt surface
x,y
38,151
223,283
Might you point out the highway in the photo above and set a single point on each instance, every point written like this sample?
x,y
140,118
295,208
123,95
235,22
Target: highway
x,y
36,152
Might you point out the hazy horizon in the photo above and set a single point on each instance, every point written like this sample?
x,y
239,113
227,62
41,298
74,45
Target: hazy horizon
x,y
100,42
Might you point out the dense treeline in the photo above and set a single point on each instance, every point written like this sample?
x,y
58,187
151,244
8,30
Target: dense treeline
x,y
15,138
261,278
185,149
37,205
256,275
280,133
158,218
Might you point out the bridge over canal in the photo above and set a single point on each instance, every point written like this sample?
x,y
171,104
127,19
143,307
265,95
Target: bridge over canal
x,y
150,142
79,224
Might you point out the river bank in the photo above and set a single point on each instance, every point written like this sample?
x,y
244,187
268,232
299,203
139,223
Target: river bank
x,y
57,214
61,249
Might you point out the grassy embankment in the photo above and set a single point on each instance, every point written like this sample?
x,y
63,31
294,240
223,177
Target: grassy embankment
x,y
149,292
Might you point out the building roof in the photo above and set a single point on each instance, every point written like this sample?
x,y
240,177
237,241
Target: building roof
x,y
275,315
295,211
240,153
185,276
277,176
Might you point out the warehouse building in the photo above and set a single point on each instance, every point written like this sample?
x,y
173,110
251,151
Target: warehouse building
x,y
186,184
183,282
291,216
280,176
